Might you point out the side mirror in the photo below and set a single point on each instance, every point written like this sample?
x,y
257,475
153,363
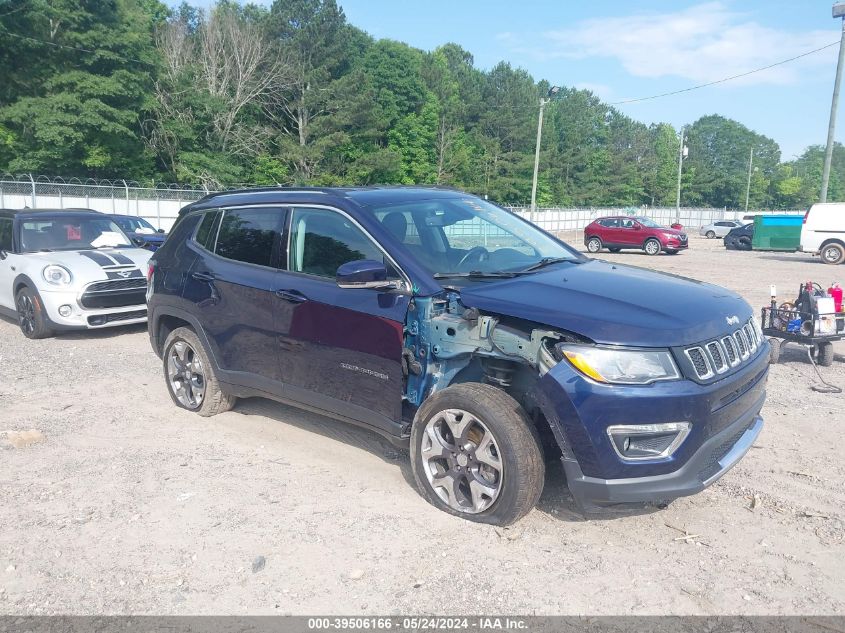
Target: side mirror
x,y
139,241
160,231
365,273
638,227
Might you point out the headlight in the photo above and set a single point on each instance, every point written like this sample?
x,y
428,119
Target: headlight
x,y
671,236
57,275
621,366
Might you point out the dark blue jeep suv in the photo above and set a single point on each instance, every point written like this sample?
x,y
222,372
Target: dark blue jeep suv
x,y
450,325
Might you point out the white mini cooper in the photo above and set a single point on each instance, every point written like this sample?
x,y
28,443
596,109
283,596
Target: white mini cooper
x,y
69,269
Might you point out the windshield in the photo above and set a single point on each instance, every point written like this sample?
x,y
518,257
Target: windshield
x,y
70,232
135,225
649,223
467,235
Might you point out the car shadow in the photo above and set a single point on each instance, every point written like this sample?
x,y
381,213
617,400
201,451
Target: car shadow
x,y
555,501
792,257
101,333
349,434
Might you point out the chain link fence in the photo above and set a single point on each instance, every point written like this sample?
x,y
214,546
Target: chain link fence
x,y
160,204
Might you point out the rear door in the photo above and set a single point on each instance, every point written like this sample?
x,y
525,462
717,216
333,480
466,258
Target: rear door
x,y
340,349
609,230
232,285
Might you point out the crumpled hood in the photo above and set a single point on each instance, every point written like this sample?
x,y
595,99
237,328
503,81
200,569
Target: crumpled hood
x,y
614,304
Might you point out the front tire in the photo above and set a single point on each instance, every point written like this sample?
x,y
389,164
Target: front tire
x,y
710,235
833,253
190,376
476,455
652,247
825,354
594,245
31,318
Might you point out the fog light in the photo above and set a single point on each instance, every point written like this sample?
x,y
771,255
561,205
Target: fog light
x,y
636,442
65,310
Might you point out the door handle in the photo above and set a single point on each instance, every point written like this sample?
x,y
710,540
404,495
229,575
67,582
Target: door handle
x,y
203,276
294,296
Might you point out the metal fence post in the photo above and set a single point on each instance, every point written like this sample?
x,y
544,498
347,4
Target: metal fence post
x,y
126,187
34,204
61,200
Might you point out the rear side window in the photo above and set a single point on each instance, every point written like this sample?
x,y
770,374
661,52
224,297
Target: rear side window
x,y
207,229
609,223
5,235
249,235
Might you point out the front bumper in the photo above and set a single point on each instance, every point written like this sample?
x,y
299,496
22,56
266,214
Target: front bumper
x,y
87,318
724,416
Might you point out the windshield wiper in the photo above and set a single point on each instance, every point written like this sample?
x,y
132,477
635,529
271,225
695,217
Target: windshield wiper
x,y
477,274
548,261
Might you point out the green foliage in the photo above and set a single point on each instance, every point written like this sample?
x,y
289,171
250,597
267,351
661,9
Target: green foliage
x,y
126,89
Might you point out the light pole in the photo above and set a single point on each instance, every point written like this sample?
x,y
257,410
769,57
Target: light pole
x,y
543,101
838,12
748,185
682,153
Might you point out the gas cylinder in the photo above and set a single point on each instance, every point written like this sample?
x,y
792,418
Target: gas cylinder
x,y
835,291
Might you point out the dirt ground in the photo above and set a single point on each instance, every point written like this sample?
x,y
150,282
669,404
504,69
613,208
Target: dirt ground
x,y
122,503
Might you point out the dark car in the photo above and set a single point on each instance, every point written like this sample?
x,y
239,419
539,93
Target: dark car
x,y
459,330
740,238
616,233
142,232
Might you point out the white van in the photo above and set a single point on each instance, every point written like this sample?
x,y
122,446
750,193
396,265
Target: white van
x,y
823,232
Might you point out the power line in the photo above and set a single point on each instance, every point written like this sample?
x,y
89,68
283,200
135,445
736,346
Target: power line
x,y
77,48
721,81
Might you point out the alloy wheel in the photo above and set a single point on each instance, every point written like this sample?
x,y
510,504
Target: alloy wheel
x,y
186,375
652,247
26,313
461,460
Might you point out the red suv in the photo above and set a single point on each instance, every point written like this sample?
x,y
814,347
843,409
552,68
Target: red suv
x,y
616,233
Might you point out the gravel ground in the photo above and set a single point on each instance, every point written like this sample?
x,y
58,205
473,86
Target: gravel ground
x,y
121,503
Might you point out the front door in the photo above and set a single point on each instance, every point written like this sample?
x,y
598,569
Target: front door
x,y
232,283
7,275
629,233
341,349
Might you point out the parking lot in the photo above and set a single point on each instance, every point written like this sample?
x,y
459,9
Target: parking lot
x,y
122,503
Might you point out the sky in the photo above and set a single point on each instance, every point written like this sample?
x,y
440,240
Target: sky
x,y
628,50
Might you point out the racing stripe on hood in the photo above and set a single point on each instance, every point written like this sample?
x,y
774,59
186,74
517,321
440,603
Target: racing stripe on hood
x,y
99,258
120,258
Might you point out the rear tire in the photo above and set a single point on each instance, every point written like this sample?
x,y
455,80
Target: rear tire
x,y
31,318
479,445
594,245
774,351
710,235
189,374
825,354
652,247
832,253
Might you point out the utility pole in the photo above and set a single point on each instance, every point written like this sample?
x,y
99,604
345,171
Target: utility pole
x,y
838,12
681,153
543,101
748,186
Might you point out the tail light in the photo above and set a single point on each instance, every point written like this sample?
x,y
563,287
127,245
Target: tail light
x,y
151,267
806,215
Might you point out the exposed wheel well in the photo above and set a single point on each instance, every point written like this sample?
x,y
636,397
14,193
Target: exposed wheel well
x,y
832,241
166,324
19,286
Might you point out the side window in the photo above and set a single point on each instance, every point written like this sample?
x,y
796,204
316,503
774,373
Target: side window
x,y
610,223
248,235
5,235
207,230
627,223
322,240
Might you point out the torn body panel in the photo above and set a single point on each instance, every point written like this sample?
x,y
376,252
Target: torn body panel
x,y
444,339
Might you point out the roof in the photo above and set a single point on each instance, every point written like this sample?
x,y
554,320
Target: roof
x,y
13,213
364,196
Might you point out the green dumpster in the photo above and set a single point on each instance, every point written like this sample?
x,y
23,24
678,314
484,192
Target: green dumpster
x,y
777,232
